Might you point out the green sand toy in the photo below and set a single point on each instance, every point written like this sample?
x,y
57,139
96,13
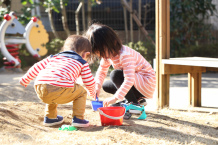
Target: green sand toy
x,y
67,128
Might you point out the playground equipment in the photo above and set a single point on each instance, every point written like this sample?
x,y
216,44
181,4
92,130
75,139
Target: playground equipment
x,y
34,36
133,107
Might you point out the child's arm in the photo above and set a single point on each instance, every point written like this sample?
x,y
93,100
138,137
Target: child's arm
x,y
33,71
88,80
101,74
129,65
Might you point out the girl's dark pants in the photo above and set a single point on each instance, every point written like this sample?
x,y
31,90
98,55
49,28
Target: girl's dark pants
x,y
116,80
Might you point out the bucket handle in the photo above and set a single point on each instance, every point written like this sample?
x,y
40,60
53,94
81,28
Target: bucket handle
x,y
111,117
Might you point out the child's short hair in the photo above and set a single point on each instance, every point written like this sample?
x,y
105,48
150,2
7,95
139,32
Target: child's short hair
x,y
78,44
103,39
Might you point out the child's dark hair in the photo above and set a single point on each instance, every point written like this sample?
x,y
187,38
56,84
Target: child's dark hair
x,y
78,44
103,39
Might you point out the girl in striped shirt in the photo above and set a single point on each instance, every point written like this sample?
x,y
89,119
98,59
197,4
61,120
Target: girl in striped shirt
x,y
55,82
132,78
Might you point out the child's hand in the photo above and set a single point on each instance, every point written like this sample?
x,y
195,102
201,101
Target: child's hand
x,y
98,88
108,101
23,84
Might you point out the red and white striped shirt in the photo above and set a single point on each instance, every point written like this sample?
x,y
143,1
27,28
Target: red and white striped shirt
x,y
137,71
60,71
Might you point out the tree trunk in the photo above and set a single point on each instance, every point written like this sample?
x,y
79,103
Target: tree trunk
x,y
64,18
138,22
131,22
89,13
51,22
125,21
38,13
77,17
83,15
140,14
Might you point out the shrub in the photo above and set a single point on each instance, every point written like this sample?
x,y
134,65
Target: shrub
x,y
204,50
54,46
146,49
187,23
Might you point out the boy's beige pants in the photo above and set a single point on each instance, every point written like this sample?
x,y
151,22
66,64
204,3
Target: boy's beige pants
x,y
53,95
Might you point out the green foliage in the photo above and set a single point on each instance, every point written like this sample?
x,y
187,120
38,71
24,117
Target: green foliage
x,y
54,5
3,11
146,49
94,66
24,2
54,46
187,23
26,58
26,16
204,50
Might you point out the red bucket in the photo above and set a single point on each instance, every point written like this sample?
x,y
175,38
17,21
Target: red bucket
x,y
111,115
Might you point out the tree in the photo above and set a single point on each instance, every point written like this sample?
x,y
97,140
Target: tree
x,y
187,21
134,16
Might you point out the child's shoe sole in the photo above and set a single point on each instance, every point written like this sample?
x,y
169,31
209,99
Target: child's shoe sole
x,y
144,103
135,111
80,125
53,124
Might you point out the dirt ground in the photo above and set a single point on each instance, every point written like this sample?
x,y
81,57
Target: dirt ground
x,y
21,118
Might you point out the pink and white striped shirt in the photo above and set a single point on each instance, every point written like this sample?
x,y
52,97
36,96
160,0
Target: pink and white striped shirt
x,y
60,71
137,71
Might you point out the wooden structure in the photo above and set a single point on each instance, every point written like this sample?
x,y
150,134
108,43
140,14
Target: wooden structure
x,y
165,65
162,20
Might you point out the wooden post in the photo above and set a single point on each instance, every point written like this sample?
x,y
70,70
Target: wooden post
x,y
162,8
194,85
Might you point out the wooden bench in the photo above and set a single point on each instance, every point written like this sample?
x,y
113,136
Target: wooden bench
x,y
165,65
194,66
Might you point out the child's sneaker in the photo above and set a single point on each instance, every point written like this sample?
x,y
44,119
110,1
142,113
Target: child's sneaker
x,y
142,101
120,103
135,111
127,115
52,122
79,122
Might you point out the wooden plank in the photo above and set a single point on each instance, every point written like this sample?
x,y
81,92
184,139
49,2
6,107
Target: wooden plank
x,y
181,69
190,88
164,89
206,62
198,109
195,89
212,69
157,61
198,99
168,28
162,50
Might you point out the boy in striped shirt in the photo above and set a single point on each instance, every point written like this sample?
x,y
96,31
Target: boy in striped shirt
x,y
55,80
